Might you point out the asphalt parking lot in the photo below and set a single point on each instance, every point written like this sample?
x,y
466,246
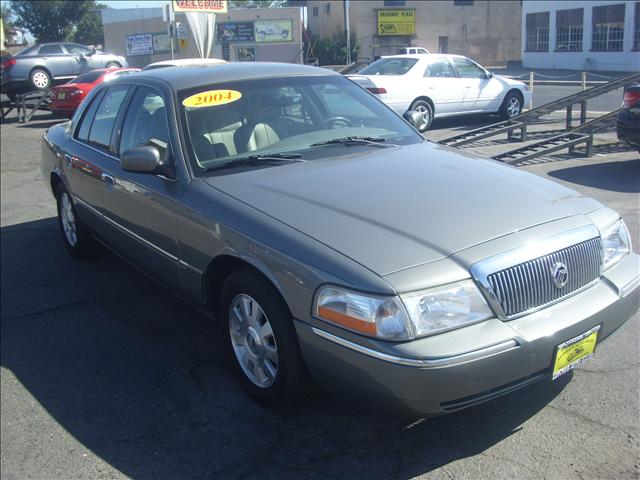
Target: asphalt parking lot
x,y
104,375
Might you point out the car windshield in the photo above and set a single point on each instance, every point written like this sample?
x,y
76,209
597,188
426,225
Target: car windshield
x,y
89,77
389,66
229,121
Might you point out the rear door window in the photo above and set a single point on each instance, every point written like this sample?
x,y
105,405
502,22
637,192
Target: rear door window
x,y
105,116
50,50
440,68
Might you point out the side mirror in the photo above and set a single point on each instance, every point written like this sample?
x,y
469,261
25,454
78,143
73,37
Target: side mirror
x,y
489,74
145,159
413,117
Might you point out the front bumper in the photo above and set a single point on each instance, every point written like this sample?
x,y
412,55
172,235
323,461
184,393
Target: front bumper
x,y
508,355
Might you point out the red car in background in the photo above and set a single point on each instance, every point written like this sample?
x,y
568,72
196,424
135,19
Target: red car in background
x,y
67,97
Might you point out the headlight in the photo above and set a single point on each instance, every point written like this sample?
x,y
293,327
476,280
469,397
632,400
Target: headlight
x,y
446,307
415,314
616,243
382,317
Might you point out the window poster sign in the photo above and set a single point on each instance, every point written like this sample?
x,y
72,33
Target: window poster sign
x,y
139,44
235,32
273,30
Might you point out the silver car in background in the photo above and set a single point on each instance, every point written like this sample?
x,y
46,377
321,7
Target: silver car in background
x,y
40,66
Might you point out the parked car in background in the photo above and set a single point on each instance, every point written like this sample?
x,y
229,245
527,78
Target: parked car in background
x,y
184,62
440,86
43,65
628,124
67,97
335,242
412,51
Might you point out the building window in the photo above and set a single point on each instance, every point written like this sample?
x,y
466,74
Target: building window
x,y
315,11
537,32
394,3
636,30
608,28
569,30
462,3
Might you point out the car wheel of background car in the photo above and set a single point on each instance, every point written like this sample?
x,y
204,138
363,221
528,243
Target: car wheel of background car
x,y
423,108
77,238
260,340
40,79
112,65
511,106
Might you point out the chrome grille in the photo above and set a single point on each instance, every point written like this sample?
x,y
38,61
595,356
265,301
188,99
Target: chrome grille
x,y
530,285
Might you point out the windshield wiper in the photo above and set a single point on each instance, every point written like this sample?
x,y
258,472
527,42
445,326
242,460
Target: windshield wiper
x,y
373,141
257,159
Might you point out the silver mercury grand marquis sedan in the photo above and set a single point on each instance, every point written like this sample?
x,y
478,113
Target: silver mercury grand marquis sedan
x,y
334,242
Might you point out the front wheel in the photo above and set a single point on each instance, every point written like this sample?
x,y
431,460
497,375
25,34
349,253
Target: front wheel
x,y
425,109
511,106
112,65
75,235
260,340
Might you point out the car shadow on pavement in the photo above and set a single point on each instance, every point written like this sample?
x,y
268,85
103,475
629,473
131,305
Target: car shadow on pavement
x,y
622,176
139,379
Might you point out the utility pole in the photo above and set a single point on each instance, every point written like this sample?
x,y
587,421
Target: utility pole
x,y
346,22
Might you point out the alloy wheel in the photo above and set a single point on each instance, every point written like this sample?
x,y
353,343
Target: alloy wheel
x,y
424,111
513,107
253,341
68,220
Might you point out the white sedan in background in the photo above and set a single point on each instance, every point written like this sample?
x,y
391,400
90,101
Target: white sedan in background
x,y
441,86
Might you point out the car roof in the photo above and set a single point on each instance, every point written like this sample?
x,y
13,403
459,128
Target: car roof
x,y
193,76
187,62
424,57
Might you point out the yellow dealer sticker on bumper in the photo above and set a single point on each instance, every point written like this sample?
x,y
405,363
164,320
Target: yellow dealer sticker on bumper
x,y
573,352
211,98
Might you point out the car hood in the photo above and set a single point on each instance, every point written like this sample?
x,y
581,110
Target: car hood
x,y
395,208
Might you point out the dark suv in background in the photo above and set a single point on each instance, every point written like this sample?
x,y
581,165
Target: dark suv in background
x,y
40,66
628,127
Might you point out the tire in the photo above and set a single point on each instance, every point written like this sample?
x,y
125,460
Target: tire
x,y
260,340
425,108
511,106
113,65
76,237
40,79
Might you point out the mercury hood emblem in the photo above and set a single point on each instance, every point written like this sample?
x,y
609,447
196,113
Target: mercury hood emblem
x,y
559,274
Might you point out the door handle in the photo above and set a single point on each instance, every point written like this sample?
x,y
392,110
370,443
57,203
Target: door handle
x,y
108,179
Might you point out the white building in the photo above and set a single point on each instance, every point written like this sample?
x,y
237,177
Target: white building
x,y
587,35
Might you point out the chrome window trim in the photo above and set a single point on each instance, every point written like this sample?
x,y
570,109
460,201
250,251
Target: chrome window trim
x,y
420,362
135,236
481,270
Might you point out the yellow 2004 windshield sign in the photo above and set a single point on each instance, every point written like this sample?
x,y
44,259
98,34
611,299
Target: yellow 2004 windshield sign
x,y
211,98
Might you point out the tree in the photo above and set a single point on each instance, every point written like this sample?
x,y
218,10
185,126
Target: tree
x,y
5,14
89,29
50,20
331,50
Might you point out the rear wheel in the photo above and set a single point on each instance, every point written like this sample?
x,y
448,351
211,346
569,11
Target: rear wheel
x,y
40,79
425,109
511,106
113,65
75,235
260,340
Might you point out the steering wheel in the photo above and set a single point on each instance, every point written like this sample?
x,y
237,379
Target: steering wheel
x,y
336,122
